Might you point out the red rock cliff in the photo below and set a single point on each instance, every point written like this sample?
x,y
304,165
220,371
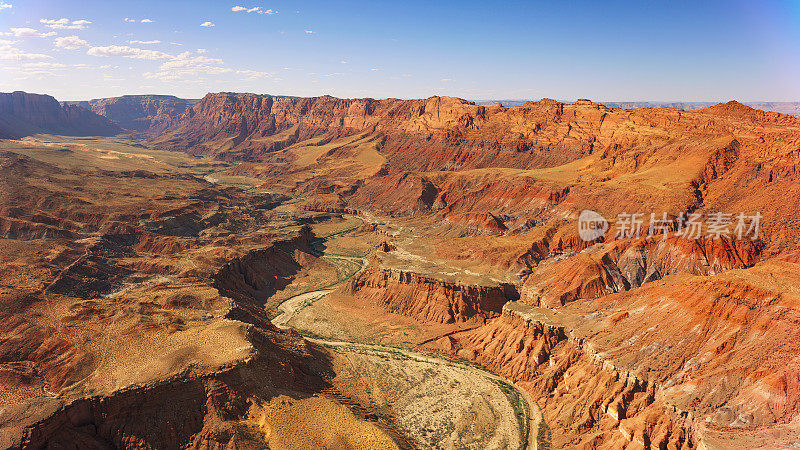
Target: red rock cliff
x,y
428,299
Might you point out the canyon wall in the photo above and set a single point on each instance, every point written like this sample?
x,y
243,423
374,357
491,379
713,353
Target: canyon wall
x,y
150,113
457,134
23,114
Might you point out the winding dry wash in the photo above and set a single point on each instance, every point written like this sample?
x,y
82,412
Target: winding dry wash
x,y
517,421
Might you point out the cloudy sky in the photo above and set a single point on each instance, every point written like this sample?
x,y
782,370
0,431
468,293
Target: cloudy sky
x,y
603,50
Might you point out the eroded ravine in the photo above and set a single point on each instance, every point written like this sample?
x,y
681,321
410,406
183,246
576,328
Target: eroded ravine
x,y
528,416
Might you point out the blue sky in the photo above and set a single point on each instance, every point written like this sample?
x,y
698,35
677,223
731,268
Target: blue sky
x,y
604,50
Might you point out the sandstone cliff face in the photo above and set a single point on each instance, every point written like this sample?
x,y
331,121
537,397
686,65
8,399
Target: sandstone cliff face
x,y
226,121
151,113
428,299
23,114
253,277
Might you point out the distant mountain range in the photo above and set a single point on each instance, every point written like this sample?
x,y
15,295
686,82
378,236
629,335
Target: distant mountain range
x,y
792,108
23,114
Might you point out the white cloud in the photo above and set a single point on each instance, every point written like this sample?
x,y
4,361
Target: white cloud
x,y
255,9
251,75
446,80
127,52
202,50
187,65
30,32
309,32
4,5
70,42
44,65
130,20
65,24
337,74
9,53
374,69
207,24
176,43
145,42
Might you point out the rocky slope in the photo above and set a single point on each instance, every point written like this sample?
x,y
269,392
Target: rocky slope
x,y
622,265
587,402
23,114
791,108
150,113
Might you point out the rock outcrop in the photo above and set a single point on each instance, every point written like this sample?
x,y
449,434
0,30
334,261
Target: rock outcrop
x,y
429,299
494,169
